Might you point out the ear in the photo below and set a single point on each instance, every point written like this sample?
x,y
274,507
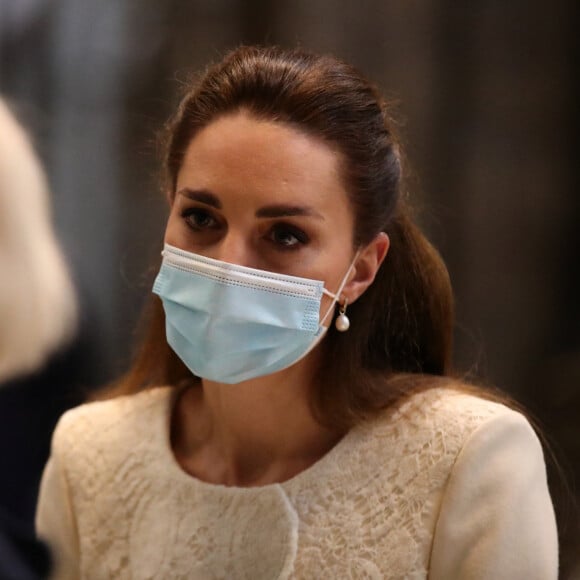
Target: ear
x,y
365,268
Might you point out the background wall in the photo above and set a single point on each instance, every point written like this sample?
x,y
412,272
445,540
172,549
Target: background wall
x,y
487,96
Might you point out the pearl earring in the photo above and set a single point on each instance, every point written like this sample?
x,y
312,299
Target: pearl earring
x,y
342,323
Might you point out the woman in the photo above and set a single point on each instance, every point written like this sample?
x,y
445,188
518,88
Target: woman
x,y
37,316
308,426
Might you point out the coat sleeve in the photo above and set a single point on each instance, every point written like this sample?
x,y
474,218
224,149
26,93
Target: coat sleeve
x,y
496,519
55,520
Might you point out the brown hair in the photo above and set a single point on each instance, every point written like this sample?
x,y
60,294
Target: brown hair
x,y
401,327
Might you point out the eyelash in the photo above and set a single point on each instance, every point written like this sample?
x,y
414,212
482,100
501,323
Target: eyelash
x,y
193,214
196,212
287,229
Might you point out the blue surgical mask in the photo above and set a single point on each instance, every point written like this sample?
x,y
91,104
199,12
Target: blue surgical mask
x,y
231,323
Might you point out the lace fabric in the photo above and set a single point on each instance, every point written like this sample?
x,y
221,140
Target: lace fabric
x,y
368,509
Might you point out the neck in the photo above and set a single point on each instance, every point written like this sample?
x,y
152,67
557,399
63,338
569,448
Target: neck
x,y
256,432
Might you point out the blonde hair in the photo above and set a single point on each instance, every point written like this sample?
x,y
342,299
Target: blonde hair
x,y
37,299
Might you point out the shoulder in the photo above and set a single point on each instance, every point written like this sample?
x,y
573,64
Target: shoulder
x,y
423,468
452,412
431,429
495,494
100,423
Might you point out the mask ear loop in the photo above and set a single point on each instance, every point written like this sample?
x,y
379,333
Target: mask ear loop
x,y
344,321
321,328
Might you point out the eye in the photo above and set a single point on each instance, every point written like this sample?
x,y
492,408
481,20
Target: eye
x,y
199,219
287,237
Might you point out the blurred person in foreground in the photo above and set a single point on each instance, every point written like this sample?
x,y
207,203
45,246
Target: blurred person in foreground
x,y
37,309
293,411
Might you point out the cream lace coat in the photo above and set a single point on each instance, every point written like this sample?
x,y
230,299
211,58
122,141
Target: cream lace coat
x,y
448,486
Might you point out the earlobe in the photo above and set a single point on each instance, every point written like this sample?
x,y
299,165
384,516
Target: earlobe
x,y
366,267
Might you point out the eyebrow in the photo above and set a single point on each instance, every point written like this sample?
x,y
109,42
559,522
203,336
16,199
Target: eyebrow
x,y
201,195
268,211
284,210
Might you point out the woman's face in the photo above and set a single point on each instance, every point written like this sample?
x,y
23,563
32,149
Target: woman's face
x,y
262,194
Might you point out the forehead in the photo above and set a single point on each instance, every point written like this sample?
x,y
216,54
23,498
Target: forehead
x,y
243,156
